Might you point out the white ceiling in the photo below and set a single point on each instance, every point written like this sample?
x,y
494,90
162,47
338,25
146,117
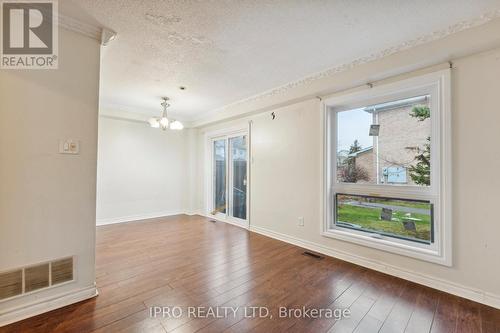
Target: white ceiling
x,y
226,51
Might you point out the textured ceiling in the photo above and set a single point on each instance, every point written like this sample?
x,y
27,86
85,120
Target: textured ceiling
x,y
226,51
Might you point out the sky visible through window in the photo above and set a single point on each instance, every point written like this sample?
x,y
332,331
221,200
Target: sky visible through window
x,y
354,125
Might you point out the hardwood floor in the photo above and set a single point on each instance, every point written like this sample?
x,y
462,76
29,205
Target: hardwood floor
x,y
188,261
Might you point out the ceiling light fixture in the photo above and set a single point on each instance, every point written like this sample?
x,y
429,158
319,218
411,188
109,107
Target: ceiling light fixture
x,y
163,122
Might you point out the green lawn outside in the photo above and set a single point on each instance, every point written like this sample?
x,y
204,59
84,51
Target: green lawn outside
x,y
402,203
369,219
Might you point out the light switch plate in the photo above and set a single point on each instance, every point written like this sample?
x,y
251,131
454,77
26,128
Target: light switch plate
x,y
300,222
69,146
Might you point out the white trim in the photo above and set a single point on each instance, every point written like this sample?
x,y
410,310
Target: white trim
x,y
91,30
99,33
137,217
72,24
386,244
224,220
125,112
47,304
226,131
437,84
426,280
193,213
209,138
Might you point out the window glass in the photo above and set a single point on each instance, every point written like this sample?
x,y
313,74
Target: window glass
x,y
239,176
220,176
387,143
406,219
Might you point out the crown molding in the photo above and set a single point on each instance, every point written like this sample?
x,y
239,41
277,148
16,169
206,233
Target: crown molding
x,y
99,33
94,31
280,90
123,112
69,23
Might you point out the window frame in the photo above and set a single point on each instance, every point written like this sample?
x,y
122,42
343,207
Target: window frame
x,y
225,134
437,85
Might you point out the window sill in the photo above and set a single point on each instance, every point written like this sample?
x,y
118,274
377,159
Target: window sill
x,y
388,245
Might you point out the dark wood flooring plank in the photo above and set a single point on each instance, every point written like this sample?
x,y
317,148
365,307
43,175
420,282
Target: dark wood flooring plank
x,y
468,317
445,319
330,283
423,313
401,313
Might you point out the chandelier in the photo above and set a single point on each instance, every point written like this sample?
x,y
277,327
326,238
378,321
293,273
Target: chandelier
x,y
163,122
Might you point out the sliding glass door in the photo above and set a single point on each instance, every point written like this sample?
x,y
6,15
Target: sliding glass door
x,y
220,161
229,177
238,173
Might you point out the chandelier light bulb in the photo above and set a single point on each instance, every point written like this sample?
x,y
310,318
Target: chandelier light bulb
x,y
154,123
176,125
164,122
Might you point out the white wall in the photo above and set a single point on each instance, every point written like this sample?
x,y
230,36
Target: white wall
x,y
47,200
142,172
286,174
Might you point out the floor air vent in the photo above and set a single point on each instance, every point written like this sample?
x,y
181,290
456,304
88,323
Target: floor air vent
x,y
313,255
35,277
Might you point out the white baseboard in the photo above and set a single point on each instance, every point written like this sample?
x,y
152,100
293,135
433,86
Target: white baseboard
x,y
209,216
130,218
436,283
46,305
193,213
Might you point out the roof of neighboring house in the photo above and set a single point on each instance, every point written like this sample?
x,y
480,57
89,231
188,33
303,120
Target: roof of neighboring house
x,y
364,150
396,104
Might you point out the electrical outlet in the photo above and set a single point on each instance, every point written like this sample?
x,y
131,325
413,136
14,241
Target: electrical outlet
x,y
69,147
300,223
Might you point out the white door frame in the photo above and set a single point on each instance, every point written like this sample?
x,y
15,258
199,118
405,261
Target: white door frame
x,y
210,137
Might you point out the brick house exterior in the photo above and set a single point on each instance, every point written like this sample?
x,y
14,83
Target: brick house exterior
x,y
400,138
365,159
